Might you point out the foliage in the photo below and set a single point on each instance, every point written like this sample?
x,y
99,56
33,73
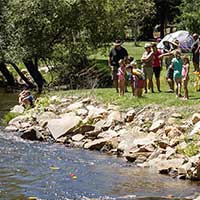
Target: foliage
x,y
9,116
190,15
136,13
191,149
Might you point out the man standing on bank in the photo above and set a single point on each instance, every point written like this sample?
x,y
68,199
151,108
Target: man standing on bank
x,y
195,52
117,53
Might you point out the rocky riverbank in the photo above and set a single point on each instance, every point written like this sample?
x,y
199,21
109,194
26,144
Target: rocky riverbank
x,y
164,139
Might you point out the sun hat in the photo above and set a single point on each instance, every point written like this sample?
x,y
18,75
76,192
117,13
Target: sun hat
x,y
147,45
117,43
133,63
165,41
175,43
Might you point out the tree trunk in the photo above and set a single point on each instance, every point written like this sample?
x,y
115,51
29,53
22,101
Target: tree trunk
x,y
8,76
162,26
36,75
23,77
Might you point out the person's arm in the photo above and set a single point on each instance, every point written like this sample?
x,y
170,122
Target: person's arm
x,y
197,50
166,54
147,58
187,70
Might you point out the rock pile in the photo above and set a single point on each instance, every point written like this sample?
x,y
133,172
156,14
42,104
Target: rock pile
x,y
150,137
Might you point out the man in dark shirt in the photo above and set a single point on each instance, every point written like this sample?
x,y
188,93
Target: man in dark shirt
x,y
116,53
195,52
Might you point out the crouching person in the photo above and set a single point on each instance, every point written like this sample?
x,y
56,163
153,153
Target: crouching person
x,y
25,98
137,79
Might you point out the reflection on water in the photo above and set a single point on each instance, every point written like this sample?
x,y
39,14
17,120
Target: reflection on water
x,y
7,100
47,170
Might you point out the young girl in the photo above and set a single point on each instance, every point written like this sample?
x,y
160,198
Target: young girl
x,y
121,77
177,65
185,75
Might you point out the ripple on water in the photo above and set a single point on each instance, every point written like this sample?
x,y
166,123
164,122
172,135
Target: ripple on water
x,y
47,171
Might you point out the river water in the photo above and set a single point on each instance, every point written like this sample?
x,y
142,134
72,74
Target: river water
x,y
55,172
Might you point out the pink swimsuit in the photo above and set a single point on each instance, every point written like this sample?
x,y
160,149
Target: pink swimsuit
x,y
121,74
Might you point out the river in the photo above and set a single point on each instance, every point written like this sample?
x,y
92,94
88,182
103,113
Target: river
x,y
54,172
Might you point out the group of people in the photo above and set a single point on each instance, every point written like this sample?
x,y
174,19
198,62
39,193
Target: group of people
x,y
124,69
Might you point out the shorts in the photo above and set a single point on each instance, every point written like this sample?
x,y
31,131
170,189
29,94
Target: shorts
x,y
139,84
195,58
157,71
170,73
148,72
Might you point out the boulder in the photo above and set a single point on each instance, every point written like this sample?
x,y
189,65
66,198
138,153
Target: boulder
x,y
177,115
86,100
96,144
105,124
157,125
137,156
43,117
75,106
32,134
18,109
95,112
170,151
115,116
78,137
196,129
83,129
175,132
93,134
108,134
18,120
60,127
11,128
195,118
183,169
82,112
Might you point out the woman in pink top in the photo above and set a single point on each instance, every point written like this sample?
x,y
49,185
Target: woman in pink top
x,y
156,64
121,77
185,75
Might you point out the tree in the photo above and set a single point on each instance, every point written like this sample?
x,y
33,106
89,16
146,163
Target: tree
x,y
136,13
190,16
167,11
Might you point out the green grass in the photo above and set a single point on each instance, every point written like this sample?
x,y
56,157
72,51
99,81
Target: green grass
x,y
108,95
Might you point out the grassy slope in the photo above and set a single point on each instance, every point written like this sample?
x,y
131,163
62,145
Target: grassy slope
x,y
108,95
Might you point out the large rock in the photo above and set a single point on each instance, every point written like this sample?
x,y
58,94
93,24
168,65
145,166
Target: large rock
x,y
46,116
157,125
196,129
83,129
96,144
114,116
78,137
60,127
32,134
108,134
93,134
17,109
96,112
17,121
75,106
